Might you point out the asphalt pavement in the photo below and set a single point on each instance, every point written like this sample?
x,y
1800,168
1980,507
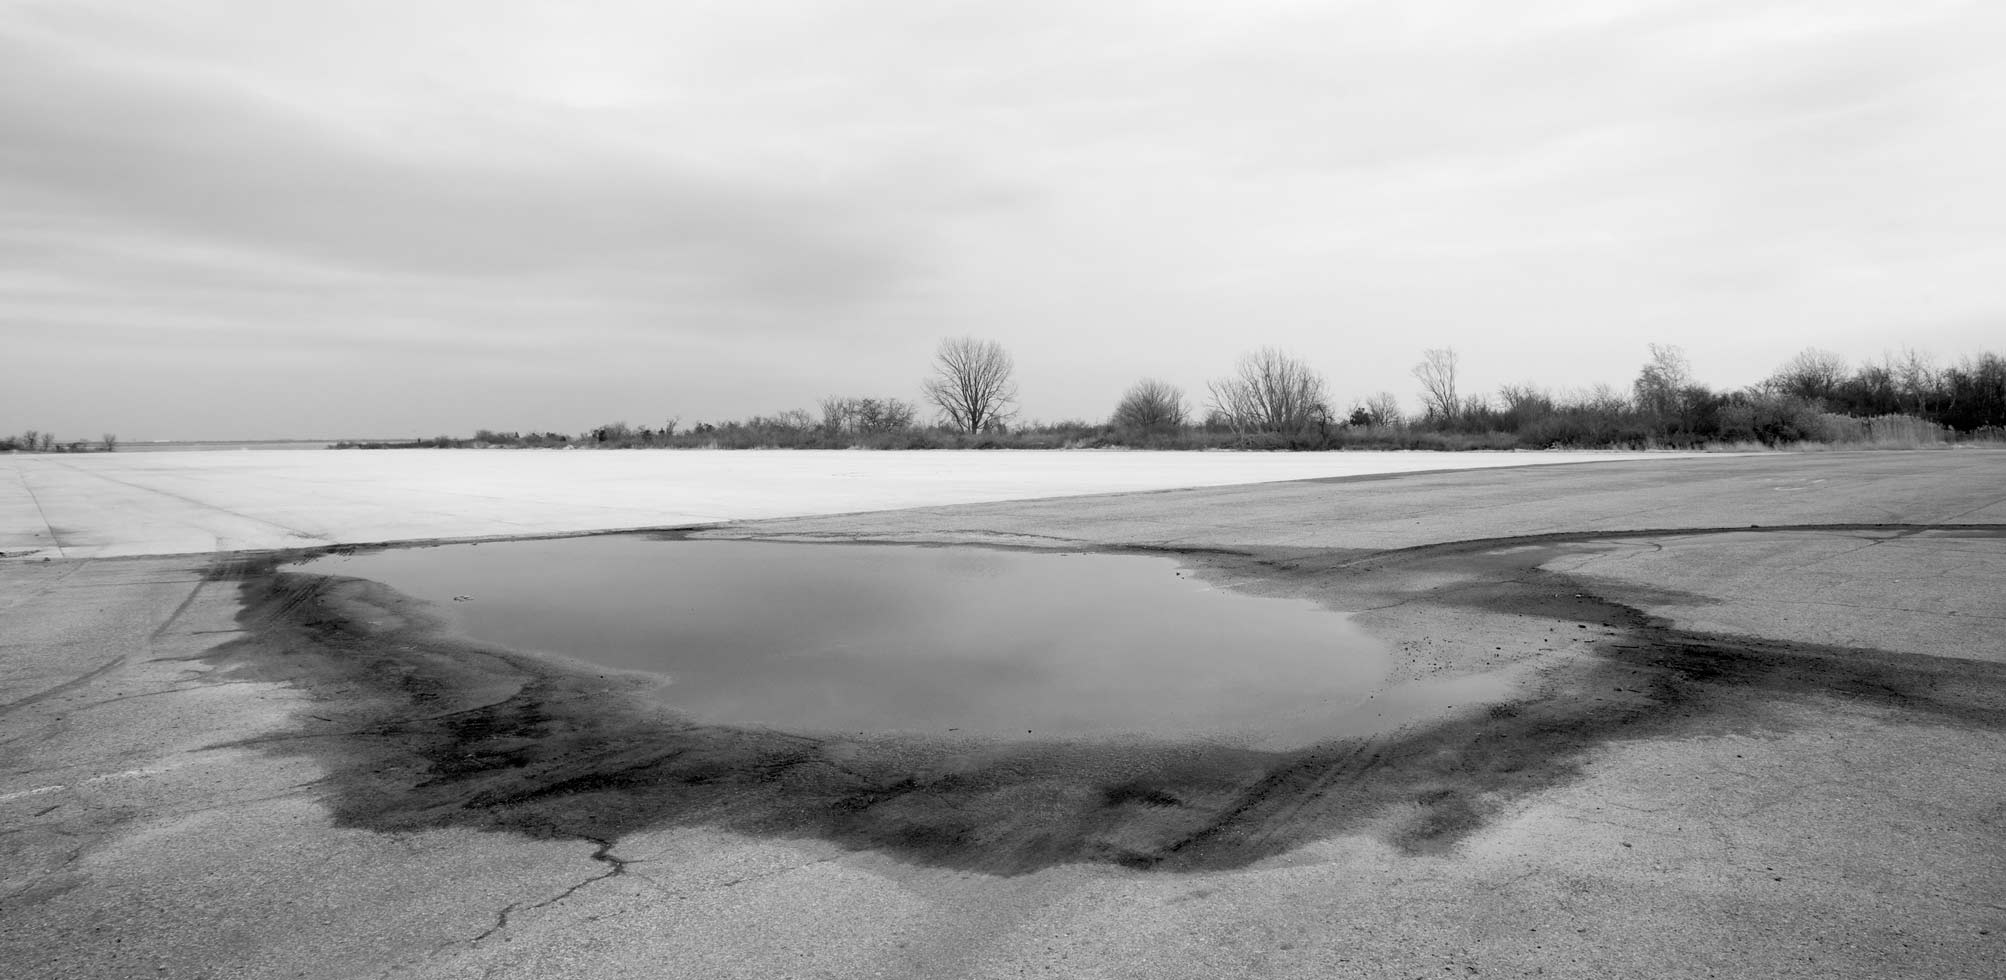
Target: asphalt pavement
x,y
1759,730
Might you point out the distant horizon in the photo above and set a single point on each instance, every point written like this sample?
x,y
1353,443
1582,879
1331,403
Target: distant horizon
x,y
249,220
1198,399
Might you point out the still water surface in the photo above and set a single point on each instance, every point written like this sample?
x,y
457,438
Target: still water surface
x,y
881,638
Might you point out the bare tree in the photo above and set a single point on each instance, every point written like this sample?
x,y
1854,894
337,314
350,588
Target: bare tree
x,y
1812,375
836,414
1380,409
1271,392
1666,394
885,414
1437,374
1523,403
109,441
1917,379
1527,398
1661,382
852,416
971,384
1604,399
1150,405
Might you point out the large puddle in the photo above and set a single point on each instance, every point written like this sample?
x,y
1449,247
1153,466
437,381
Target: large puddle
x,y
960,641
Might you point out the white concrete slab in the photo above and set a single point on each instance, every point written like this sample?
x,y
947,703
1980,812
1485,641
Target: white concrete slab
x,y
116,504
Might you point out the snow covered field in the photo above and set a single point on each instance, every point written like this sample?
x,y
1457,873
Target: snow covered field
x,y
63,506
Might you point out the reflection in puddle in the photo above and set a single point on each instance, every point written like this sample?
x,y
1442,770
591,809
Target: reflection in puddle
x,y
876,638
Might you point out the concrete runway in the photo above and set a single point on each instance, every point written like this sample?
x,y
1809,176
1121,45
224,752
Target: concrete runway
x,y
105,505
1761,731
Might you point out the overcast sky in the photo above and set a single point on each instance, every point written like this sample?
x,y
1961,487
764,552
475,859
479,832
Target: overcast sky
x,y
249,218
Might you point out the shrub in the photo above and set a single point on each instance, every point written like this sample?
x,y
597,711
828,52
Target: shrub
x,y
1274,395
1150,406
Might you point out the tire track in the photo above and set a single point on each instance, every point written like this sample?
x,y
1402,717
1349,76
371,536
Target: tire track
x,y
111,664
1468,545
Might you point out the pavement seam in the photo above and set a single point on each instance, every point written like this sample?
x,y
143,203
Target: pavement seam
x,y
39,512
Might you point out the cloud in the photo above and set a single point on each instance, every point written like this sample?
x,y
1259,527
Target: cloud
x,y
93,144
782,199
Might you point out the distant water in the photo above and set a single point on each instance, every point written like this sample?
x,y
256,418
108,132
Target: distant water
x,y
195,446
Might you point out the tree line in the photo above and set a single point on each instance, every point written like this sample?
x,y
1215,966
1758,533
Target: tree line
x,y
1274,400
37,441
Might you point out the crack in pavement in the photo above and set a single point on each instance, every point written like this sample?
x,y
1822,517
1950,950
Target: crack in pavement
x,y
616,866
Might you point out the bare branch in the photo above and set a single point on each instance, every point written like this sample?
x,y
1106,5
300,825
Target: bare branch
x,y
971,385
1150,405
1437,374
1271,392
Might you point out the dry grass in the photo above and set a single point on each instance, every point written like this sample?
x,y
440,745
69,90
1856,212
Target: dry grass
x,y
1879,432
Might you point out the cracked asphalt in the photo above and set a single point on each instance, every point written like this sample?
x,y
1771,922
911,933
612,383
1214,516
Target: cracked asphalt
x,y
1758,733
